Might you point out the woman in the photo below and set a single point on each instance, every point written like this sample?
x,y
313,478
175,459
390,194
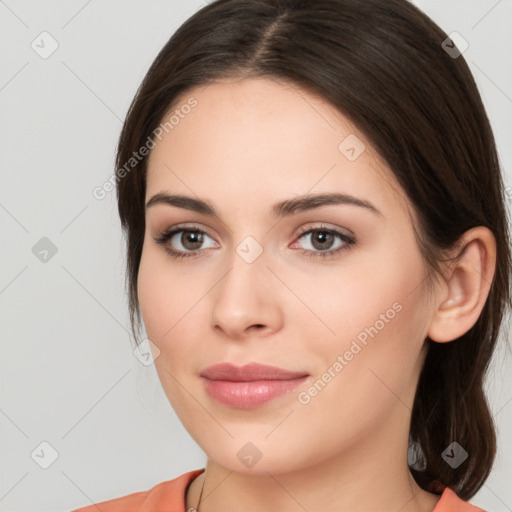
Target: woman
x,y
317,243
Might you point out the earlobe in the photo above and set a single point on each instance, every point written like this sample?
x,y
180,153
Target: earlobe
x,y
466,288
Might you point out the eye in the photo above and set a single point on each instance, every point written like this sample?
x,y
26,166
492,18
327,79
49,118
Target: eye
x,y
322,240
185,242
181,242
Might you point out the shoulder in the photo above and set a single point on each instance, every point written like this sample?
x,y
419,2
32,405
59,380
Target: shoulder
x,y
169,495
450,502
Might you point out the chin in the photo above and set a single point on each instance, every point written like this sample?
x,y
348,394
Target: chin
x,y
260,457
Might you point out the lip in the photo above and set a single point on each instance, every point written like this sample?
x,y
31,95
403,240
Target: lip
x,y
251,385
248,372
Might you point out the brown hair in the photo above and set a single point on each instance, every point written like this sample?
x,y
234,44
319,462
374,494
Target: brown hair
x,y
382,64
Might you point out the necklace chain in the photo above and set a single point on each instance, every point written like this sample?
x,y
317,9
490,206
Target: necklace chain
x,y
196,509
201,493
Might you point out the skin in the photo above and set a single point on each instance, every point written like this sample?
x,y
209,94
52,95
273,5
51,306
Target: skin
x,y
247,145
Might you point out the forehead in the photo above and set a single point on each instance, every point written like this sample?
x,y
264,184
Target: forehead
x,y
251,142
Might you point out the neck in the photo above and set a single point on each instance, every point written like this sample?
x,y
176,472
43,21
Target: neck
x,y
372,475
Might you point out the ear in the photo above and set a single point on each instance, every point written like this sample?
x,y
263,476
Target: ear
x,y
465,286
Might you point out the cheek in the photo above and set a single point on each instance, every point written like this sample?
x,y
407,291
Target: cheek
x,y
379,295
170,299
393,328
370,312
162,296
167,308
340,303
380,355
153,298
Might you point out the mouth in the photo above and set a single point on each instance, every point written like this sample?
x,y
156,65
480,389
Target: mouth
x,y
251,385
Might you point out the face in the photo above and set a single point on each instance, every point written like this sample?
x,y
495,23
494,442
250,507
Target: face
x,y
333,292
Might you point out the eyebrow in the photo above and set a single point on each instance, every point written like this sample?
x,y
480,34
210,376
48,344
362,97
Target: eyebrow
x,y
279,210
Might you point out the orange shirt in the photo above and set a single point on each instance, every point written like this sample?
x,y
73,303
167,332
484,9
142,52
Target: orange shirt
x,y
169,496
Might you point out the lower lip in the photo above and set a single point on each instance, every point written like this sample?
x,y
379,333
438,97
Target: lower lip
x,y
248,395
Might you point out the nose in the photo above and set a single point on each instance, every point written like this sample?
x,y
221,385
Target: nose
x,y
247,301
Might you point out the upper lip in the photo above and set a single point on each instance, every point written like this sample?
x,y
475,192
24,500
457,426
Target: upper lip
x,y
248,372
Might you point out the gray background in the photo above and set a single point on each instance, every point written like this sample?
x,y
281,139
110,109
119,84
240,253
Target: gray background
x,y
68,375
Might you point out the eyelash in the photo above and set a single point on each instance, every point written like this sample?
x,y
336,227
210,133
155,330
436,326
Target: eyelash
x,y
165,236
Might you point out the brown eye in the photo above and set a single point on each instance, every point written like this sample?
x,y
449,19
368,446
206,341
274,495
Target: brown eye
x,y
321,239
323,242
182,242
191,240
